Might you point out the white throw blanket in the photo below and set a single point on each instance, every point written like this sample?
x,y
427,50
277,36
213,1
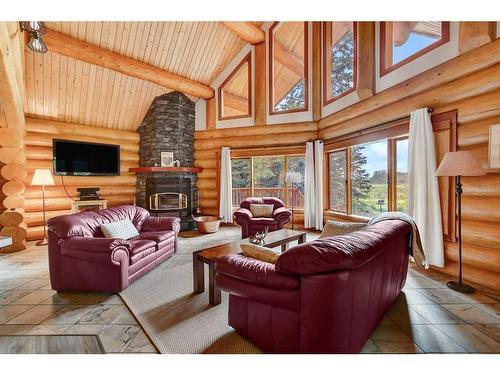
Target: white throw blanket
x,y
416,248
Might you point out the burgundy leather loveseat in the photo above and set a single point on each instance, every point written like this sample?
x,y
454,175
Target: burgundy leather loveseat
x,y
251,225
82,259
325,296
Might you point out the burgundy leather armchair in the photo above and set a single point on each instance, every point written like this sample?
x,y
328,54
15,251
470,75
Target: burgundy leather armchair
x,y
82,259
325,296
251,225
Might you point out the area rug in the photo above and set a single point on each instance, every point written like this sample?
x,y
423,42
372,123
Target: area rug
x,y
178,321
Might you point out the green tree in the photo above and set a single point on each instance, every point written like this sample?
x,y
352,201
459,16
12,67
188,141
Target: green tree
x,y
360,181
342,55
294,99
240,170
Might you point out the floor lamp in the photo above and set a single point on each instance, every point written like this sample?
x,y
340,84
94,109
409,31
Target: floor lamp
x,y
42,177
457,164
291,179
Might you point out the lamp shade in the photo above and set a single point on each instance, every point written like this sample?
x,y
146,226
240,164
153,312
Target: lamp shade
x,y
460,163
293,177
42,177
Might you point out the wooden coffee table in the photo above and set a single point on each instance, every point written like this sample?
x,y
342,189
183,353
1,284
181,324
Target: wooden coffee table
x,y
210,255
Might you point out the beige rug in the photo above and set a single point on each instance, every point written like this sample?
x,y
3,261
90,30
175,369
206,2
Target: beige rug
x,y
178,321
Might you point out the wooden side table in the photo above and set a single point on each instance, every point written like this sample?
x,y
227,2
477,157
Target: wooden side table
x,y
94,205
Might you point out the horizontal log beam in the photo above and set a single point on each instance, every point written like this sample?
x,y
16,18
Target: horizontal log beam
x,y
41,139
466,87
80,50
283,139
247,31
58,127
257,130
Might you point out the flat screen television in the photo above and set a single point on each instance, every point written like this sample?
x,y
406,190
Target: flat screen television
x,y
73,158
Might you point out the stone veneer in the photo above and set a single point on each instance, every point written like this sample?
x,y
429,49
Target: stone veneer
x,y
167,126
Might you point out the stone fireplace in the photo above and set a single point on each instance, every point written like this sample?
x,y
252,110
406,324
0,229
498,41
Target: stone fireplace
x,y
168,127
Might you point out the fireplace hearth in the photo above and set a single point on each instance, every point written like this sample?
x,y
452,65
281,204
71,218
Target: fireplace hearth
x,y
171,197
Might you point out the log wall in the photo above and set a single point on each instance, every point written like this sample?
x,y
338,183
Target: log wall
x,y
38,148
468,84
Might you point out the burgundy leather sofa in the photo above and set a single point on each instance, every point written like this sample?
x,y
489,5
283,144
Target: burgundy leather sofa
x,y
325,296
251,225
82,259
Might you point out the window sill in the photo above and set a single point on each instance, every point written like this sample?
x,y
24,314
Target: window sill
x,y
346,217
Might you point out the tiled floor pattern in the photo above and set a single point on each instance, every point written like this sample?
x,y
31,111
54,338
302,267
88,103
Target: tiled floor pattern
x,y
426,318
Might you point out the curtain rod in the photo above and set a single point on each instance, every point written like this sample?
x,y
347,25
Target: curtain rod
x,y
371,129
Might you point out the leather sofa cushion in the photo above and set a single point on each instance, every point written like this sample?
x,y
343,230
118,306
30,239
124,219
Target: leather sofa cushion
x,y
141,249
88,223
345,252
157,236
276,202
255,271
138,246
262,221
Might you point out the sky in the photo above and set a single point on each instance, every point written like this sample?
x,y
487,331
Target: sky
x,y
376,154
414,44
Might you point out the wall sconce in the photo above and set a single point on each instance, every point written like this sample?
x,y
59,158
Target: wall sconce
x,y
35,29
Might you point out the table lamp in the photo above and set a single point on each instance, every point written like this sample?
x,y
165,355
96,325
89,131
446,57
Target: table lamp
x,y
293,178
457,164
42,177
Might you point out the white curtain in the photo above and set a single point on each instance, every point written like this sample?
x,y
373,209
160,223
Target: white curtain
x,y
423,190
309,187
318,172
226,180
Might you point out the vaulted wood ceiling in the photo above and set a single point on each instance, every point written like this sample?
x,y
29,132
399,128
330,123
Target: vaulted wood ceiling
x,y
65,89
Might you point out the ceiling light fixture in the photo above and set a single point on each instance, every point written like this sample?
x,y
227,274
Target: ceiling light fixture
x,y
35,29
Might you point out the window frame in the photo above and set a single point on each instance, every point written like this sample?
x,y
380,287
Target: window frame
x,y
391,169
272,112
285,169
246,59
347,182
324,53
386,39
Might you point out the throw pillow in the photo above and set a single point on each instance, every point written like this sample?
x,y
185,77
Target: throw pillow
x,y
123,229
262,210
259,252
336,228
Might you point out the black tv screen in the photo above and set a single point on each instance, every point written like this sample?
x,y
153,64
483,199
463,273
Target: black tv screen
x,y
73,158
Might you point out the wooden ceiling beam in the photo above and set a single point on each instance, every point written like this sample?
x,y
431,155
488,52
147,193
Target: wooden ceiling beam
x,y
78,49
288,59
247,31
11,96
235,102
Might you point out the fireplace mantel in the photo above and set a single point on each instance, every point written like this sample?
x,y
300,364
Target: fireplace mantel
x,y
166,169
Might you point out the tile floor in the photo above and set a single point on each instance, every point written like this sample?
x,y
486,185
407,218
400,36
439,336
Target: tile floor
x,y
426,318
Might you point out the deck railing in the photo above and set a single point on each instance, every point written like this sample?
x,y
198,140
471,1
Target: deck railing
x,y
285,194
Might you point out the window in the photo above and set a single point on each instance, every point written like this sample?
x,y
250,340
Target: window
x,y
288,67
241,170
402,42
402,175
362,181
369,183
338,181
265,176
339,59
235,93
